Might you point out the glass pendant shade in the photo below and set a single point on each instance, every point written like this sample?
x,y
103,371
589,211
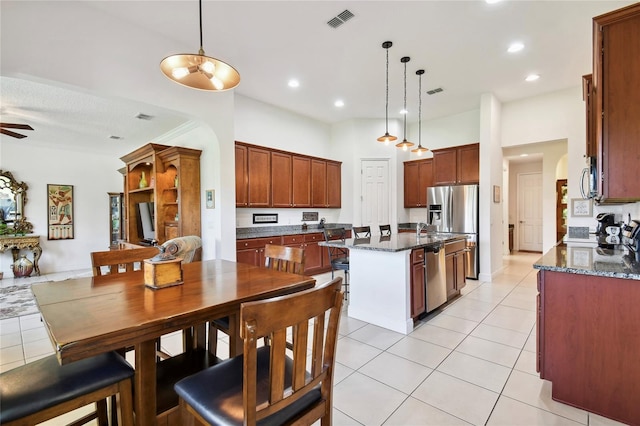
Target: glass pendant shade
x,y
386,138
199,71
405,144
420,149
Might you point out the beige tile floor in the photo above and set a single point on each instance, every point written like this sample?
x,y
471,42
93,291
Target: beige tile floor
x,y
471,362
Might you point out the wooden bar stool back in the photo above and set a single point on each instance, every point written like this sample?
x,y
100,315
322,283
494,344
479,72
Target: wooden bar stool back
x,y
281,258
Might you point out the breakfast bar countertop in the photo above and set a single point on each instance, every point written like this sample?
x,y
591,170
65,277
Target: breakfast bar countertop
x,y
395,242
585,259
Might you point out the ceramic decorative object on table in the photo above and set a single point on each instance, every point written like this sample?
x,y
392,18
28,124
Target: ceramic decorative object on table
x,y
22,267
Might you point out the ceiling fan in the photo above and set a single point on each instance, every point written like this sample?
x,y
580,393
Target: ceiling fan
x,y
5,126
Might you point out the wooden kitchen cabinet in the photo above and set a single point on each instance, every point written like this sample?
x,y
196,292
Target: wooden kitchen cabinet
x,y
459,165
455,267
290,180
418,176
587,340
326,183
253,176
616,89
312,251
418,283
251,250
272,178
172,177
259,177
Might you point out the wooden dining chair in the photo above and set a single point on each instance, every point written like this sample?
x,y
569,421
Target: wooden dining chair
x,y
118,261
385,229
281,258
271,384
44,389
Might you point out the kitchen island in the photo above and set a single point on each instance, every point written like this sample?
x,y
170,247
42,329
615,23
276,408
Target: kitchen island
x,y
588,336
380,276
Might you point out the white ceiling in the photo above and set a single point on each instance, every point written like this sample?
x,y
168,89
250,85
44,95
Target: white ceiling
x,y
461,45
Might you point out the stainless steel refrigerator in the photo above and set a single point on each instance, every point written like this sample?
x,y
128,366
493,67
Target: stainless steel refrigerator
x,y
454,210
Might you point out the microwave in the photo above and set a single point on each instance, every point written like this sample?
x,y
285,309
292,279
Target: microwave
x,y
589,173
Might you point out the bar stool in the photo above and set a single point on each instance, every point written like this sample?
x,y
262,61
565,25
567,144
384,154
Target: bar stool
x,y
385,229
44,389
339,256
361,231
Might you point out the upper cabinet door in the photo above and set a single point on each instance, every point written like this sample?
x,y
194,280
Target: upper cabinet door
x,y
301,181
616,83
444,166
334,177
468,164
242,189
318,183
259,165
281,190
458,165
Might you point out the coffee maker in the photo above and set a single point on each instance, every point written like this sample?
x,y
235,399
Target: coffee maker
x,y
604,220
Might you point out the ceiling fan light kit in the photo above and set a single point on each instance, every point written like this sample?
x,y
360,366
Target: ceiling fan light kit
x,y
199,71
386,138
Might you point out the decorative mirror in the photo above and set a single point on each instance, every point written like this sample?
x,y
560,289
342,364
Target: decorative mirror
x,y
13,197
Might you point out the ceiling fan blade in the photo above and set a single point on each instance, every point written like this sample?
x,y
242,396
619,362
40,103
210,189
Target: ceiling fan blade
x,y
13,134
16,126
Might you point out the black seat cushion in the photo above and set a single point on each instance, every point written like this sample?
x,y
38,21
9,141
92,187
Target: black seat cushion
x,y
216,393
45,383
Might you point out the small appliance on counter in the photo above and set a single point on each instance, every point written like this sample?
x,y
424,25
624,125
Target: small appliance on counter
x,y
604,220
631,236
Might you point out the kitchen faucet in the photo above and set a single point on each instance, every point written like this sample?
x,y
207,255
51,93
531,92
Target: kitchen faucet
x,y
419,227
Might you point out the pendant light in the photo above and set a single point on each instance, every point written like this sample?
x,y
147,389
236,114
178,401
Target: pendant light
x,y
420,149
405,144
386,138
199,71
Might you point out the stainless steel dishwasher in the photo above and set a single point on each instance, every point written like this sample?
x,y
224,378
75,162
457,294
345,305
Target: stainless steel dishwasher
x,y
436,279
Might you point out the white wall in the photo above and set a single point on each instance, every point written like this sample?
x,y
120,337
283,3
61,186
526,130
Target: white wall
x,y
92,177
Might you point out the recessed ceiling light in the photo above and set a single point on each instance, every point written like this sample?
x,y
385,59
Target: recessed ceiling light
x,y
492,1
515,47
404,111
293,83
524,155
532,77
339,103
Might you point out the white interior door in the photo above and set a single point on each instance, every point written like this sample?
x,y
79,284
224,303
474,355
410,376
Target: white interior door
x,y
375,193
530,211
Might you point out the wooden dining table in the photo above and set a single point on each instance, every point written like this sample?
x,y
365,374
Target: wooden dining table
x,y
88,316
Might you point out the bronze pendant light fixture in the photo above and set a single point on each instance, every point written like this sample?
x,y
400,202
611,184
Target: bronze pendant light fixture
x,y
386,138
405,144
420,149
199,71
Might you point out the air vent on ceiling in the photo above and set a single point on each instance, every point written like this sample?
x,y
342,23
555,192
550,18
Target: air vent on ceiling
x,y
142,116
115,137
434,91
342,17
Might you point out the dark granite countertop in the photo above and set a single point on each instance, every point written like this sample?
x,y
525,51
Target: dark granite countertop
x,y
395,242
588,259
276,231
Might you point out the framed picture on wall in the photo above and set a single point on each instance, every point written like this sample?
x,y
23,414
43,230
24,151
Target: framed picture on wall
x,y
581,207
60,212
